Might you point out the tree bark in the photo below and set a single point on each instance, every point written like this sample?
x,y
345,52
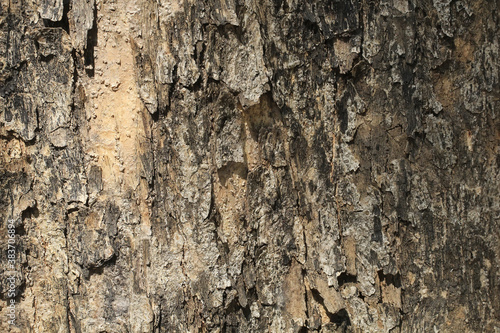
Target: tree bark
x,y
249,166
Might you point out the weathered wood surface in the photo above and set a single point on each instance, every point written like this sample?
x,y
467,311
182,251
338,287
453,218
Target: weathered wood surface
x,y
250,166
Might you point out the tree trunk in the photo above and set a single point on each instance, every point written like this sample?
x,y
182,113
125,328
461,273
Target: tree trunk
x,y
249,166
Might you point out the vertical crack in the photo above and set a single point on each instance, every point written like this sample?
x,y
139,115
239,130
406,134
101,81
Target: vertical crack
x,y
90,47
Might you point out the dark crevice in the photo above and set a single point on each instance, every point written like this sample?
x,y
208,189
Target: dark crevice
x,y
197,86
303,329
98,270
20,291
246,312
156,116
339,318
390,279
95,270
90,47
318,298
251,296
225,30
63,23
377,235
233,306
158,321
20,231
199,55
28,213
361,18
345,277
306,301
75,121
47,58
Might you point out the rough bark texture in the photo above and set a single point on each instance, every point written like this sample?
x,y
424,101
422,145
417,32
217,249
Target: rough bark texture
x,y
251,166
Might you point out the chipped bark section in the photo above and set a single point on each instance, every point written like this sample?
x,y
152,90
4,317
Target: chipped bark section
x,y
251,166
